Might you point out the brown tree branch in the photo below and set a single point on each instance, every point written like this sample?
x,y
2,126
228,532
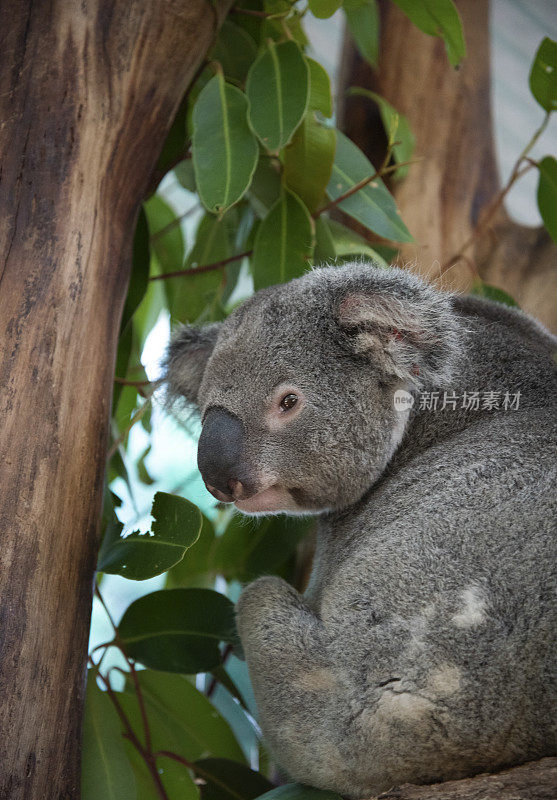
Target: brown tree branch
x,y
536,780
203,268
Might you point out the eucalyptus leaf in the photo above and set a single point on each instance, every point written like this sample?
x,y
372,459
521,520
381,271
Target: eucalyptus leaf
x,y
167,239
139,556
249,548
106,773
373,206
308,161
175,144
278,91
175,777
235,50
342,243
178,630
284,243
225,151
181,718
228,780
543,75
265,188
196,568
189,296
438,18
320,89
185,174
139,278
363,22
322,9
396,127
325,251
481,289
547,194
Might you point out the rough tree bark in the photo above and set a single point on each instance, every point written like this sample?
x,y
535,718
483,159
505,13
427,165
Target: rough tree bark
x,y
87,91
445,194
534,781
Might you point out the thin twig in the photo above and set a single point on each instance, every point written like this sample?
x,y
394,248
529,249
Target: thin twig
x,y
174,223
202,773
384,170
136,417
203,268
517,172
145,751
130,734
214,680
126,382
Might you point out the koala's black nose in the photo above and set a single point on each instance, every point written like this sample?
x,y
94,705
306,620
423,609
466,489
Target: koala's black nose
x,y
219,453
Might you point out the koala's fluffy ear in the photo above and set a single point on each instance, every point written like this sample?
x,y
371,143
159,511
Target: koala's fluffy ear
x,y
186,358
412,336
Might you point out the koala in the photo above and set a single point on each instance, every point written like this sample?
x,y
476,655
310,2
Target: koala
x,y
422,649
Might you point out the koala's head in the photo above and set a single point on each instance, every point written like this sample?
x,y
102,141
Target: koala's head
x,y
295,388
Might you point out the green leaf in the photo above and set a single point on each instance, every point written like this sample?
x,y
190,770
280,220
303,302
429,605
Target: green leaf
x,y
175,777
142,471
265,188
278,91
224,149
189,296
296,791
363,21
176,527
481,289
284,243
438,18
337,242
105,770
175,143
251,548
228,780
139,278
123,355
253,25
195,569
543,75
319,89
396,127
308,161
167,240
181,718
290,20
325,251
235,50
547,194
178,630
322,9
185,174
373,206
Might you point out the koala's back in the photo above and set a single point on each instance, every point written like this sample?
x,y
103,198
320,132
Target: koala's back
x,y
437,591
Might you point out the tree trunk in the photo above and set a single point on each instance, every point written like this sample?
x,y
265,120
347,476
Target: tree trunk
x,y
534,781
87,92
445,194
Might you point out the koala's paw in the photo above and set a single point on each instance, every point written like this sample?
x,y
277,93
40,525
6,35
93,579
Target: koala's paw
x,y
270,613
265,596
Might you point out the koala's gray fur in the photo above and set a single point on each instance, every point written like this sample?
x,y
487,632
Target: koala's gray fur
x,y
422,649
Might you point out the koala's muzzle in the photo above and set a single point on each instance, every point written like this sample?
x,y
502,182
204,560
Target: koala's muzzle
x,y
219,455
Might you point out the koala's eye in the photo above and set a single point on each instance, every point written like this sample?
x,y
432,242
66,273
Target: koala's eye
x,y
288,401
